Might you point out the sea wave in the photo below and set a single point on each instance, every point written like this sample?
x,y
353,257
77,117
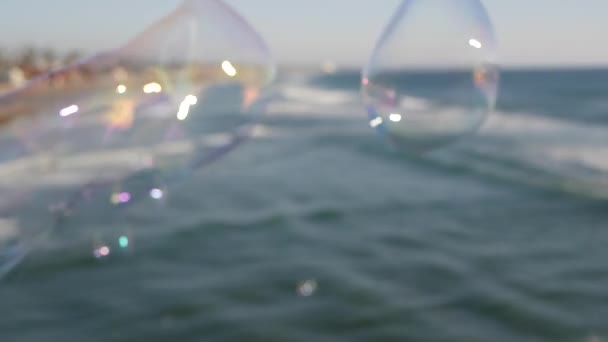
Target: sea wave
x,y
572,149
304,100
535,149
319,96
573,153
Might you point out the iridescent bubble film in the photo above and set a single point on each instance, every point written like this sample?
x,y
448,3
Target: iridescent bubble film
x,y
124,124
430,42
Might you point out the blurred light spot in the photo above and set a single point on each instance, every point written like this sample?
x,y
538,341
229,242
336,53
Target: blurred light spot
x,y
365,81
123,241
156,193
67,111
395,117
121,89
118,198
307,288
191,99
184,111
152,88
101,252
184,107
124,197
475,43
229,69
376,122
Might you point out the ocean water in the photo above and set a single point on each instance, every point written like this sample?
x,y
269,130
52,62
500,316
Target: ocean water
x,y
317,230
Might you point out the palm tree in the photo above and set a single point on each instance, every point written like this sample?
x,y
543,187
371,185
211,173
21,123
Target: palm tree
x,y
50,57
72,57
28,56
5,63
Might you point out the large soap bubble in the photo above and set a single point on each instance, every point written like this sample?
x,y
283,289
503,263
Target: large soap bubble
x,y
131,120
432,77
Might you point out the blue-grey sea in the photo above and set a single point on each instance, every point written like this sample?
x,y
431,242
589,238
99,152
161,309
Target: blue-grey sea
x,y
316,229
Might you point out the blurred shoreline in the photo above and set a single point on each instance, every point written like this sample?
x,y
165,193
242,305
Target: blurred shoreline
x,y
16,70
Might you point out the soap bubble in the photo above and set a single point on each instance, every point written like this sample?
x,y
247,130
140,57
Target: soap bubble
x,y
121,125
432,77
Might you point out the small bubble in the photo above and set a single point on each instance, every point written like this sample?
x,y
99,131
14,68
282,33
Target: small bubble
x,y
121,89
120,198
156,194
124,197
123,241
101,252
307,288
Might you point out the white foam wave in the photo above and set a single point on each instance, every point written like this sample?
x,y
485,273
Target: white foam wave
x,y
319,96
576,152
552,138
535,139
530,124
538,140
315,102
298,109
410,103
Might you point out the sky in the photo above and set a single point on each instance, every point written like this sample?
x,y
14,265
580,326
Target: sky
x,y
530,32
